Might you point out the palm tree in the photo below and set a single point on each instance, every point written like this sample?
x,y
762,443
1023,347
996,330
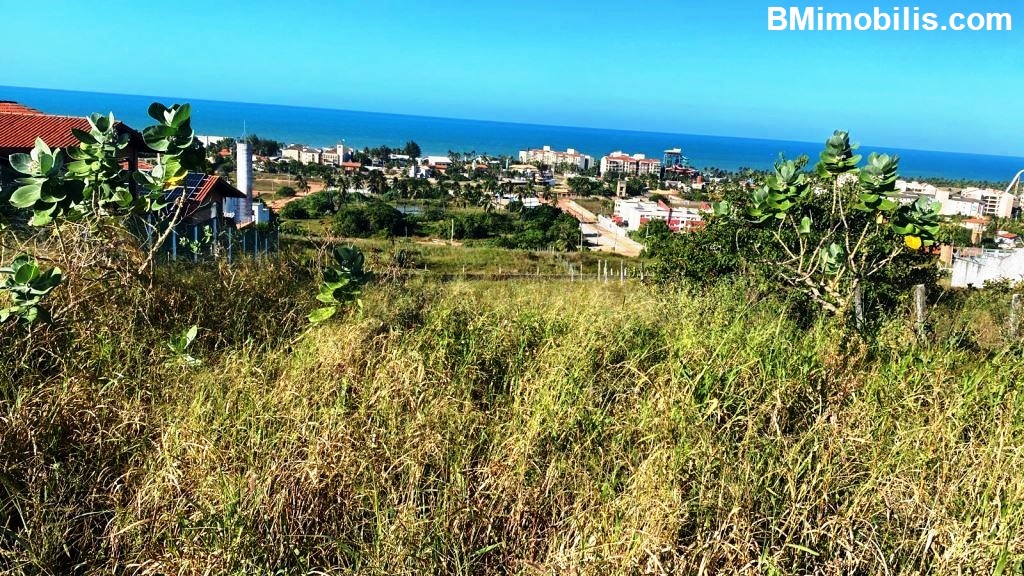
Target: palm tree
x,y
376,182
300,183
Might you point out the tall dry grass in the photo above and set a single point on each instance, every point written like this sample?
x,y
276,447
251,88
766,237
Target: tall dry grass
x,y
517,428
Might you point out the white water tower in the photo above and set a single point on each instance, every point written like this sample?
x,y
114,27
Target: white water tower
x,y
243,206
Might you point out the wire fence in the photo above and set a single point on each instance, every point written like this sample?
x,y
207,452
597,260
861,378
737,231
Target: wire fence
x,y
207,241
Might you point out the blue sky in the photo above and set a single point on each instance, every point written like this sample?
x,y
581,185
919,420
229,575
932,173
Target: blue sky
x,y
674,66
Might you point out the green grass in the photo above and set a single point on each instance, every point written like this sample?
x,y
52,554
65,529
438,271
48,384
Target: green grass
x,y
469,258
597,205
530,427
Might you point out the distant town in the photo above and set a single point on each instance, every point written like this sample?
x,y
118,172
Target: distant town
x,y
613,199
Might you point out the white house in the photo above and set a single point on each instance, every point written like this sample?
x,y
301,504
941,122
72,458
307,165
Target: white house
x,y
635,212
440,163
975,267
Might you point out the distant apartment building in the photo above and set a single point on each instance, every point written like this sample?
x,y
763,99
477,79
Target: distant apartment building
x,y
632,213
996,203
301,153
309,155
336,155
916,187
634,165
291,152
954,205
330,157
969,202
545,155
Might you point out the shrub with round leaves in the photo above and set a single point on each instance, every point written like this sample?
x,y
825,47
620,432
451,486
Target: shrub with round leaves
x,y
342,282
839,226
26,284
44,190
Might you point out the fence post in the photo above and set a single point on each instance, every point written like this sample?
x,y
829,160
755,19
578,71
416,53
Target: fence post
x,y
216,239
1016,305
920,302
858,307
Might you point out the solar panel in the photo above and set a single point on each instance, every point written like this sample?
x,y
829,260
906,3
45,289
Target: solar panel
x,y
190,188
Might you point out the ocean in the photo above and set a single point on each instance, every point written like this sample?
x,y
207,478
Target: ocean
x,y
325,127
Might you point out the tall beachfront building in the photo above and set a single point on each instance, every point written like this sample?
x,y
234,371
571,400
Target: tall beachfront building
x,y
635,165
546,155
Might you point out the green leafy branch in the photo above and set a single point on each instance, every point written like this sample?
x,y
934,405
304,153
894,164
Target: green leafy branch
x,y
86,185
342,283
27,284
179,345
830,225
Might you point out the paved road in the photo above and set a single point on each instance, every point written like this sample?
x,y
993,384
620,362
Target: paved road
x,y
598,235
608,241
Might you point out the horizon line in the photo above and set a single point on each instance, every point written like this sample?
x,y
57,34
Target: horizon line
x,y
492,121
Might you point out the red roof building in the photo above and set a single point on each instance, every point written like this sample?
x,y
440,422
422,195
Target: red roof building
x,y
12,107
18,130
204,196
21,125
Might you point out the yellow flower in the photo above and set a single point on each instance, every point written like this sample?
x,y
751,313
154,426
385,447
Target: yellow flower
x,y
913,242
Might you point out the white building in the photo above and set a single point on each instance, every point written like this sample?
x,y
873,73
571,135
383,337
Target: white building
x,y
418,171
330,156
636,165
958,205
996,203
208,140
240,209
915,187
260,213
968,202
301,153
635,212
545,155
309,155
439,163
975,267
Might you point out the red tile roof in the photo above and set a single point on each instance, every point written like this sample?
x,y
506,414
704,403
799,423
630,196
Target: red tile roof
x,y
21,125
196,188
12,107
142,165
20,130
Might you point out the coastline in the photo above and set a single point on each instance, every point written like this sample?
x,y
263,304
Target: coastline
x,y
324,127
